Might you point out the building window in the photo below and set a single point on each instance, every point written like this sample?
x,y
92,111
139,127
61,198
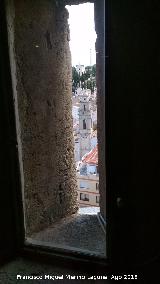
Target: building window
x,y
97,169
84,184
97,199
84,107
84,197
84,124
97,186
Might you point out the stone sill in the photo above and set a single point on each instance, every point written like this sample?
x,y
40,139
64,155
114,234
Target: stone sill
x,y
81,232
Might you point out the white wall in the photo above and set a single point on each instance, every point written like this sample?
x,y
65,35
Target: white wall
x,y
76,152
87,185
93,142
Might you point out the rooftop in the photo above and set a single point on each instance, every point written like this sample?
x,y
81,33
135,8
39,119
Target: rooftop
x,y
91,157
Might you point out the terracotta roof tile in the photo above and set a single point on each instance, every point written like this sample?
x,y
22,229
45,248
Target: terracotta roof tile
x,y
91,157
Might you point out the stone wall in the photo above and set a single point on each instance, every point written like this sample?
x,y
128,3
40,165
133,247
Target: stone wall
x,y
41,75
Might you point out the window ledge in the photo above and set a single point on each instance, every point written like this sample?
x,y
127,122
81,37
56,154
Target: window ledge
x,y
77,233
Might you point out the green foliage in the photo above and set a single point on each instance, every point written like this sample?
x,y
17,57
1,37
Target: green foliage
x,y
94,70
75,76
86,78
88,69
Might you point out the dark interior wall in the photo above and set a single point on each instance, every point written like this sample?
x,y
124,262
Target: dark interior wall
x,y
11,213
134,125
100,82
6,217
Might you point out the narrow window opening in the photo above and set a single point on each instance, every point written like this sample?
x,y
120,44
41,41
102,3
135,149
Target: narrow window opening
x,y
97,199
84,197
84,100
61,196
84,124
97,186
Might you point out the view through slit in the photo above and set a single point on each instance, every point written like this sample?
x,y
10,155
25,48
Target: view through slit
x,y
56,101
84,105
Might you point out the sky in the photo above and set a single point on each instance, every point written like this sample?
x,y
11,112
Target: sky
x,y
82,33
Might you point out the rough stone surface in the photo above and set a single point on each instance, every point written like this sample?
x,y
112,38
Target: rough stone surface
x,y
78,232
43,88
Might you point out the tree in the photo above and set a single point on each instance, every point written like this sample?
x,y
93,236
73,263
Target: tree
x,y
82,77
75,78
93,72
86,78
88,69
85,86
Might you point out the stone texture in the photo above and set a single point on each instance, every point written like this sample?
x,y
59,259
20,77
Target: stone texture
x,y
43,90
78,232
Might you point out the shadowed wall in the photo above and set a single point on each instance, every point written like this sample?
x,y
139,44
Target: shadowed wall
x,y
41,76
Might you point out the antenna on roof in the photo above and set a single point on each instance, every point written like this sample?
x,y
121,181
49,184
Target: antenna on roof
x,y
90,56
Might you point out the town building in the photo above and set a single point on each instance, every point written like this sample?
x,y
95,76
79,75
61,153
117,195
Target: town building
x,y
85,148
94,117
88,190
78,116
88,179
94,140
80,69
84,124
76,150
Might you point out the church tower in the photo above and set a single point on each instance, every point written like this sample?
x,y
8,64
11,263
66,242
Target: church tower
x,y
84,124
